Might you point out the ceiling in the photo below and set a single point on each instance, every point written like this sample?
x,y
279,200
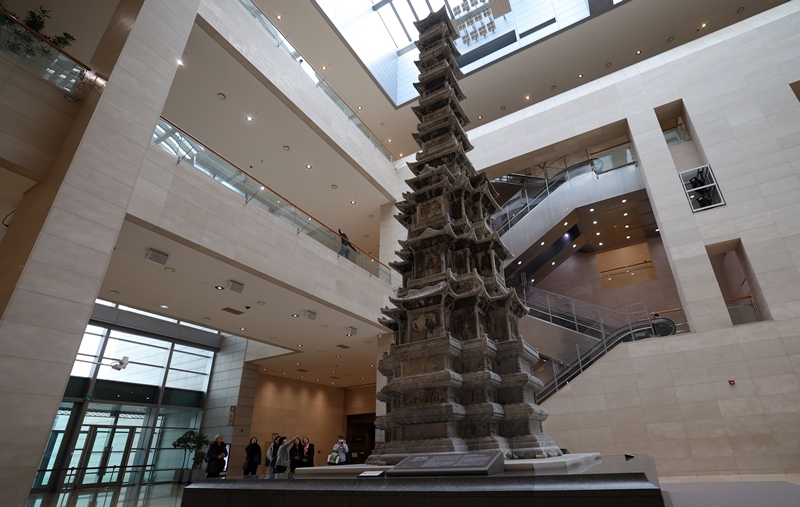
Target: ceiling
x,y
585,49
257,147
190,295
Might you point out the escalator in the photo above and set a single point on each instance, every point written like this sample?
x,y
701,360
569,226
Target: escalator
x,y
592,332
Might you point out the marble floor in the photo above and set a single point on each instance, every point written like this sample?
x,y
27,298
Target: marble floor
x,y
729,490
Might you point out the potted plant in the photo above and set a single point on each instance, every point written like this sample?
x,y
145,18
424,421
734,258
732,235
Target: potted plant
x,y
195,442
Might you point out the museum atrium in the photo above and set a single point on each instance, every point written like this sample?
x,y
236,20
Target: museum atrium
x,y
200,232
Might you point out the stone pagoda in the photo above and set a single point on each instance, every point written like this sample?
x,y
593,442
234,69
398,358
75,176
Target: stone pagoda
x,y
459,374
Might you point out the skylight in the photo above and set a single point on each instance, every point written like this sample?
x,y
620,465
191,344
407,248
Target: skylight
x,y
382,34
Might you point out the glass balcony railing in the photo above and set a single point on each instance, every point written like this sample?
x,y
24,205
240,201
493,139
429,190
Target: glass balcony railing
x,y
207,161
537,187
53,64
675,136
271,29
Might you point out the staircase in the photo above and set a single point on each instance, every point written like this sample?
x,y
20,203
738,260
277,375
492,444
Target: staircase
x,y
593,331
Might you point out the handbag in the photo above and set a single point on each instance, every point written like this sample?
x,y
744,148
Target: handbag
x,y
333,458
246,465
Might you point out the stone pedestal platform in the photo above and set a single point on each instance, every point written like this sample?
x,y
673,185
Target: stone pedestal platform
x,y
566,481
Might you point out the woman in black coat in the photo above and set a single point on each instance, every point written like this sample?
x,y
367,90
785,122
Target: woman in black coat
x,y
294,454
306,453
253,457
216,457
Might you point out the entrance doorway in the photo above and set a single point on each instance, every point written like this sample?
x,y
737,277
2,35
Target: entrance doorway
x,y
100,456
360,437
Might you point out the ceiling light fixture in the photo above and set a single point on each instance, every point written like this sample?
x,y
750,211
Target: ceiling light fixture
x,y
527,97
114,292
390,140
163,306
260,303
597,234
601,243
626,226
591,209
580,76
242,329
658,230
334,187
638,51
366,235
286,148
519,262
324,67
206,318
740,10
624,214
553,263
295,315
219,287
401,154
671,39
542,243
169,270
480,117
594,223
279,17
624,201
608,64
573,246
221,96
627,237
308,166
248,118
352,202
704,25
180,63
262,187
532,280
359,108
565,224
502,108
371,216
553,87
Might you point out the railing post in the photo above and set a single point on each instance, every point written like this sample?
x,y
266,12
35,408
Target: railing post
x,y
555,374
574,315
603,332
549,311
578,350
630,327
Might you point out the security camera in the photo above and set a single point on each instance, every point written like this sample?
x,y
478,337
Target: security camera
x,y
121,364
246,307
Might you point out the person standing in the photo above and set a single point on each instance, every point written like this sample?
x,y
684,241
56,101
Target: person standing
x,y
282,461
272,455
306,453
294,453
217,452
342,449
345,250
253,457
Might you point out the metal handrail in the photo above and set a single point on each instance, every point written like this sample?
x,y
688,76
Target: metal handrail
x,y
731,300
205,146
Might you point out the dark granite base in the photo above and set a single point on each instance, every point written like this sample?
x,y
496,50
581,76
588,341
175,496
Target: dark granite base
x,y
615,482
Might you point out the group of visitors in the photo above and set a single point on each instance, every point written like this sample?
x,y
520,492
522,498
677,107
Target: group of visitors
x,y
283,456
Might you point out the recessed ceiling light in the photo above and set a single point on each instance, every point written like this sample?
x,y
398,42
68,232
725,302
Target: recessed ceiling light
x,y
338,356
597,234
262,187
180,63
627,237
248,118
295,315
115,292
390,140
553,263
401,154
169,270
502,108
591,209
624,200
626,226
608,64
352,202
324,67
334,187
371,216
366,235
553,87
308,166
565,224
624,214
221,96
309,219
638,51
527,97
206,318
359,108
219,287
372,366
286,148
279,17
601,243
242,329
542,243
480,117
573,246
519,262
163,306
704,25
658,230
594,223
532,280
740,10
299,344
580,76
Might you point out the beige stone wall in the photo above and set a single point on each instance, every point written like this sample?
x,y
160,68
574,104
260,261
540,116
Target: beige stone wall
x,y
579,277
289,407
670,398
359,400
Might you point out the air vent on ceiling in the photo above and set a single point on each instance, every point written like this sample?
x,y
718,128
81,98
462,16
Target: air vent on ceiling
x,y
336,378
351,331
304,371
235,286
310,315
342,346
157,257
232,310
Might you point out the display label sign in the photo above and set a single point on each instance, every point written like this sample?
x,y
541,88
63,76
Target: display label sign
x,y
472,463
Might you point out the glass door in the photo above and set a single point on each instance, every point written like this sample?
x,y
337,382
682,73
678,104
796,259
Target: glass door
x,y
104,455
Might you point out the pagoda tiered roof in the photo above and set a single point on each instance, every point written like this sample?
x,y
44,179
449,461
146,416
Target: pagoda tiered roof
x,y
440,72
427,131
434,19
442,99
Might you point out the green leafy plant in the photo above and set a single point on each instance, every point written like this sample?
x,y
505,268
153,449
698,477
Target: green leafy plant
x,y
26,44
193,441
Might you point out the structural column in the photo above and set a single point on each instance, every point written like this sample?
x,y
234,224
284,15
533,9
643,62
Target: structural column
x,y
62,241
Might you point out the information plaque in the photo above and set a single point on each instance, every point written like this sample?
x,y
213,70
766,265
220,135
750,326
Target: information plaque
x,y
466,463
